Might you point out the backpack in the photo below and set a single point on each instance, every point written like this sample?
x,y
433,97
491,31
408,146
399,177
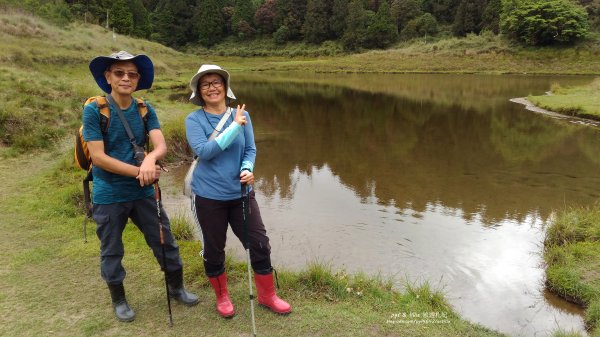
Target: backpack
x,y
82,155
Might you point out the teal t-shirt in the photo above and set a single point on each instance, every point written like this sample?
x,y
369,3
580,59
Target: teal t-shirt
x,y
108,187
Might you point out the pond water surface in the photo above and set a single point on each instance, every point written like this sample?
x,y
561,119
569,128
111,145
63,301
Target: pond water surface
x,y
434,178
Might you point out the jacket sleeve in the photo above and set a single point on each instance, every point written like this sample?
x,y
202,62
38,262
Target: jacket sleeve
x,y
249,157
195,132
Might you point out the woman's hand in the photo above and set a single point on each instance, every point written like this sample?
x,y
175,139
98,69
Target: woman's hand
x,y
240,118
247,177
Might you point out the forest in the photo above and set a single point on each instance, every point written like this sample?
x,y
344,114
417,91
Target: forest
x,y
354,24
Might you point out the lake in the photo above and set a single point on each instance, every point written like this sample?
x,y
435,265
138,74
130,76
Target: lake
x,y
421,177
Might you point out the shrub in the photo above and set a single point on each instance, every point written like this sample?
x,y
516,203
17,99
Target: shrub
x,y
544,22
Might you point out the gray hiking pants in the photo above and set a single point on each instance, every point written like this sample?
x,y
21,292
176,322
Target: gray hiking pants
x,y
110,223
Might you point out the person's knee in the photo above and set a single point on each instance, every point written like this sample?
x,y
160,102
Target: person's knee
x,y
261,248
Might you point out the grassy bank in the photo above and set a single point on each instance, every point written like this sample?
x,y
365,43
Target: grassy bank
x,y
572,253
581,101
486,53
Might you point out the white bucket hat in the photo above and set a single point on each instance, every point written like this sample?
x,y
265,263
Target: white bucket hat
x,y
196,98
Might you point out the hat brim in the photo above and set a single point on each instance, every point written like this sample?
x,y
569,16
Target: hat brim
x,y
145,67
196,97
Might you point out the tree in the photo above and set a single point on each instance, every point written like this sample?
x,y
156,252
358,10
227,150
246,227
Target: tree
x,y
208,22
424,25
443,10
290,13
172,22
264,18
491,16
141,20
337,20
227,14
357,22
243,16
150,5
316,24
543,22
120,18
382,30
593,9
468,18
405,10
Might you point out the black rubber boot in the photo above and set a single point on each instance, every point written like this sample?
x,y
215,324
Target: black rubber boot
x,y
177,290
122,310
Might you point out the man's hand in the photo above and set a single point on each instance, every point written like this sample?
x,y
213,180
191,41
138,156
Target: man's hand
x,y
149,172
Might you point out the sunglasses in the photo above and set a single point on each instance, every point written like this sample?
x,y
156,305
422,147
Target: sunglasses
x,y
121,73
216,84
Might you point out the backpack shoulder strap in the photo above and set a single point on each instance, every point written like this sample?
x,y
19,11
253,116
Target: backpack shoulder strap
x,y
102,104
103,108
142,108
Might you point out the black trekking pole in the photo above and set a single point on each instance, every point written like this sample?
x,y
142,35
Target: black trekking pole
x,y
162,245
245,211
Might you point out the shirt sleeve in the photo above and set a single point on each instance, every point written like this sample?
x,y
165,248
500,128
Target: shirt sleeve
x,y
91,122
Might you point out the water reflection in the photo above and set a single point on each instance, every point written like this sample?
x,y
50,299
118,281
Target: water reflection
x,y
424,177
499,164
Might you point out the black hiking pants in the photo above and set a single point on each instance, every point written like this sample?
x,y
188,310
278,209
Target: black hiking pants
x,y
110,223
214,216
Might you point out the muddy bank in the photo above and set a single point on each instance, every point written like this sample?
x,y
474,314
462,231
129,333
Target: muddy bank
x,y
572,119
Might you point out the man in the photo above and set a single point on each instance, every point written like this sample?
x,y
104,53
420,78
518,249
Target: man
x,y
123,186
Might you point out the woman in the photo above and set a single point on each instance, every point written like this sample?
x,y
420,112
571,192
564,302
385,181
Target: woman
x,y
226,164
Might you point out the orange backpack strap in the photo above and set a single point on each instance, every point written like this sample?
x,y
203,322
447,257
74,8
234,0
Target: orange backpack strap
x,y
142,107
143,110
102,104
104,110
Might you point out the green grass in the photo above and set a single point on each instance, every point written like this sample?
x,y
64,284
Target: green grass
x,y
572,254
181,228
486,53
581,101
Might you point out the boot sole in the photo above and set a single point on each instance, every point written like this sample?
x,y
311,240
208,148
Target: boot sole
x,y
273,311
125,320
227,317
187,304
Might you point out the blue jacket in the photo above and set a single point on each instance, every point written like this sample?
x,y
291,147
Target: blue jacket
x,y
217,175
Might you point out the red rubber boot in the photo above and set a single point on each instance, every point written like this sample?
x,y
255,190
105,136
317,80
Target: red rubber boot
x,y
267,297
224,305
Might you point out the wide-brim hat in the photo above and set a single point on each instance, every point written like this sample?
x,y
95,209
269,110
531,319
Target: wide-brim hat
x,y
145,67
196,97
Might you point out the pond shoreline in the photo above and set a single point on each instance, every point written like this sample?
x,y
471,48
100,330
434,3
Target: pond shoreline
x,y
573,119
571,250
566,288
